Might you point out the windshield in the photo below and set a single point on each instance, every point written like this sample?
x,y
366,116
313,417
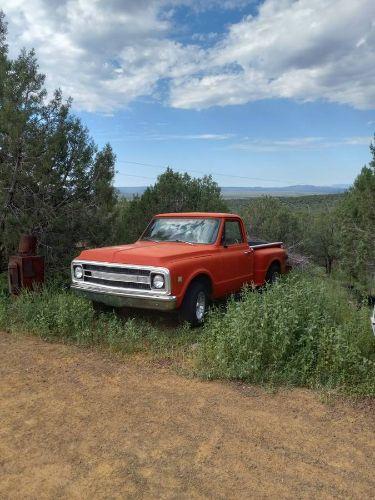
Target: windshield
x,y
182,230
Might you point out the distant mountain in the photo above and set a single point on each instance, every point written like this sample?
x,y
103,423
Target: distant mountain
x,y
297,190
249,192
129,192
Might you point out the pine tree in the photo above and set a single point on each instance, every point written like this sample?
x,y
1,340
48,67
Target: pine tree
x,y
358,229
54,182
173,192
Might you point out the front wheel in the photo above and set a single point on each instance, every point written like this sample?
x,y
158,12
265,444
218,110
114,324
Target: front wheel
x,y
195,304
273,273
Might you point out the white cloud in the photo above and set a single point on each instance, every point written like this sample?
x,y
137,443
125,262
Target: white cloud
x,y
107,53
103,54
190,137
304,50
298,143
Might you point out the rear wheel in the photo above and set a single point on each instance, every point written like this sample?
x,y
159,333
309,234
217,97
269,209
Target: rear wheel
x,y
195,304
273,273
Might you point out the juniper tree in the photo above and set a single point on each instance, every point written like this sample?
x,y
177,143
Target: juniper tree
x,y
173,192
357,229
53,180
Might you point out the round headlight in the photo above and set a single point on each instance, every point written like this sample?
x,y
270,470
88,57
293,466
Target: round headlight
x,y
158,281
78,272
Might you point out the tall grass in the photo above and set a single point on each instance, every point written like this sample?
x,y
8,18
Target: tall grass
x,y
56,314
302,331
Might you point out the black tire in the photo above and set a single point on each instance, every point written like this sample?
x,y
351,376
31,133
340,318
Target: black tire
x,y
273,273
101,308
191,311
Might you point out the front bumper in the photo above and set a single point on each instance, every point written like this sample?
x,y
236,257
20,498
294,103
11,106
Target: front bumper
x,y
117,298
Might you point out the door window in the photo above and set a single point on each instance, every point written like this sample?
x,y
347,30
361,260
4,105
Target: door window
x,y
232,233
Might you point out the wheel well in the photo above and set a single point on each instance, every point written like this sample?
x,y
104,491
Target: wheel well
x,y
202,278
275,263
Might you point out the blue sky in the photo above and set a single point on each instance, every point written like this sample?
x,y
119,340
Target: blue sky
x,y
265,93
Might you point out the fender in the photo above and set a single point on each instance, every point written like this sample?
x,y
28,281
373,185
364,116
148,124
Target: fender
x,y
189,278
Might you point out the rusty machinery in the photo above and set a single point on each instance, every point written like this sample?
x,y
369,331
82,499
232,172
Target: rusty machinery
x,y
26,269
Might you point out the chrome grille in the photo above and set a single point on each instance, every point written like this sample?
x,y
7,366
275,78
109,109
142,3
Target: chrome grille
x,y
116,269
117,277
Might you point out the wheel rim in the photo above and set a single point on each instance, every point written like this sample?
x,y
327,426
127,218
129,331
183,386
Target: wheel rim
x,y
275,276
200,307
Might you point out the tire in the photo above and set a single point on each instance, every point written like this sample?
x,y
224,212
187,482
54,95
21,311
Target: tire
x,y
100,308
195,304
273,273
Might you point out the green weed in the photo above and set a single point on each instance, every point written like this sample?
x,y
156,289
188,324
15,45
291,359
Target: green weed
x,y
56,314
305,330
302,331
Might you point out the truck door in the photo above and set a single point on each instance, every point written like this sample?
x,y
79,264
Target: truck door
x,y
236,257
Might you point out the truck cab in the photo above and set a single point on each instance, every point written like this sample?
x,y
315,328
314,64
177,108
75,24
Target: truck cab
x,y
182,261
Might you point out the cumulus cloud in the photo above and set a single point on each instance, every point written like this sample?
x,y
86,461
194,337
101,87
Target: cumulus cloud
x,y
305,50
103,54
106,54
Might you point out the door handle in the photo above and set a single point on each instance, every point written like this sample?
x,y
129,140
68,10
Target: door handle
x,y
246,252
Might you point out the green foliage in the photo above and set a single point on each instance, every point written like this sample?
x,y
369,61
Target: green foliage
x,y
357,226
173,192
58,315
54,182
321,237
309,203
270,219
301,331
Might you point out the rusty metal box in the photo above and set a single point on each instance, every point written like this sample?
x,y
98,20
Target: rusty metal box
x,y
25,271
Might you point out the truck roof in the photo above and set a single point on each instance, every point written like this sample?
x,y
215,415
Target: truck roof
x,y
199,214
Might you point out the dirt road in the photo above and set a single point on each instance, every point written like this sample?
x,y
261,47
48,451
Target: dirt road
x,y
76,423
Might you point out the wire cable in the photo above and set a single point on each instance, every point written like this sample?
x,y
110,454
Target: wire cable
x,y
243,177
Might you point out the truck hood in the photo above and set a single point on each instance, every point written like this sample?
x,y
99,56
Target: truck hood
x,y
146,253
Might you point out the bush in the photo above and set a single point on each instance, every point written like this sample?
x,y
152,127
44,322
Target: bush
x,y
304,330
301,331
57,314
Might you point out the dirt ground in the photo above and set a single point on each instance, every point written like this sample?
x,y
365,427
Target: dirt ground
x,y
78,423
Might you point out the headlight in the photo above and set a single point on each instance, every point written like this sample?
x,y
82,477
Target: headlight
x,y
158,281
78,272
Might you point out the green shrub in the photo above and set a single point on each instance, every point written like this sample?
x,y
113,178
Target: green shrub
x,y
301,331
57,314
304,330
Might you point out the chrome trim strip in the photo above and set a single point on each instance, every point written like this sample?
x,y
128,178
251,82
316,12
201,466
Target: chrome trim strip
x,y
267,245
121,299
128,278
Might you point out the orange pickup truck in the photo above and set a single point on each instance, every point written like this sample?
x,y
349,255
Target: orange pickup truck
x,y
182,261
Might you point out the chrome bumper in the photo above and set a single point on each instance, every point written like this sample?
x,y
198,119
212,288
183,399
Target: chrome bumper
x,y
117,298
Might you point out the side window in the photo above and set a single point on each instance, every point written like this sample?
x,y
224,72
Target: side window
x,y
232,233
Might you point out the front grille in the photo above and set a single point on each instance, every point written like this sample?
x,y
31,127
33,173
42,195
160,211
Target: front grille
x,y
117,270
119,284
117,277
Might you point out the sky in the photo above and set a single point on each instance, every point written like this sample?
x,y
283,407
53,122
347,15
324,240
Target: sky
x,y
256,93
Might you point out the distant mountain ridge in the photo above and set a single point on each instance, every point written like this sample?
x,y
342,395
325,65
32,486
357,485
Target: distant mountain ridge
x,y
249,192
